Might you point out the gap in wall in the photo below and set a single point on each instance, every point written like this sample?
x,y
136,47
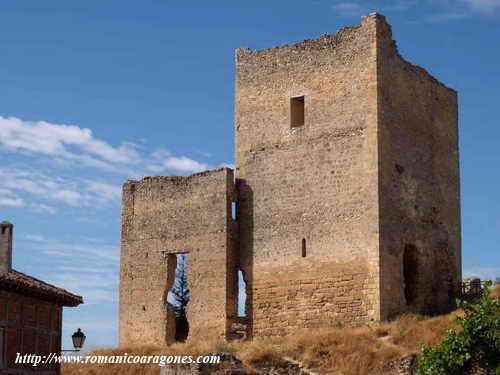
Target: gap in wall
x,y
179,297
242,294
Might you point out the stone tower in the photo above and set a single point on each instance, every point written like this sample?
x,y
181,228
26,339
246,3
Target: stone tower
x,y
348,180
347,194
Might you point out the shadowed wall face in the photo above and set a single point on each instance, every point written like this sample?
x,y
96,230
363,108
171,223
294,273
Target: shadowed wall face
x,y
420,244
163,216
306,166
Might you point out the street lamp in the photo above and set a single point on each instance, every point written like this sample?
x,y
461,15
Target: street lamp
x,y
78,340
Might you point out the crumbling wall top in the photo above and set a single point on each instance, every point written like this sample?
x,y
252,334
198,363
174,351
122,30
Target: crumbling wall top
x,y
344,39
322,42
181,179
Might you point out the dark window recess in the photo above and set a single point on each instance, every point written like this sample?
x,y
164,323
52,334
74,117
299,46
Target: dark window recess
x,y
304,251
2,364
297,111
410,273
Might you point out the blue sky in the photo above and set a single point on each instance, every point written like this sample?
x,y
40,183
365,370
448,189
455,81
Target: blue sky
x,y
95,92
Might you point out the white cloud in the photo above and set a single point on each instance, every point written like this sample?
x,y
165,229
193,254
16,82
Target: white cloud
x,y
450,16
12,202
85,219
71,191
69,145
43,208
355,9
67,141
482,272
484,6
437,11
6,192
226,165
27,181
93,287
80,269
83,267
72,198
98,253
184,164
35,237
401,5
162,160
9,199
452,10
349,9
106,191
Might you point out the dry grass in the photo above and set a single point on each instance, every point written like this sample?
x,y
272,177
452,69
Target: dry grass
x,y
334,351
366,350
343,351
411,332
496,291
191,348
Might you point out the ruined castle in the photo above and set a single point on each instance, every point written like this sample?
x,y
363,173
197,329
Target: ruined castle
x,y
346,187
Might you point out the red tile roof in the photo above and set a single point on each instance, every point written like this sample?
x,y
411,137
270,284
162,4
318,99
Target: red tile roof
x,y
21,283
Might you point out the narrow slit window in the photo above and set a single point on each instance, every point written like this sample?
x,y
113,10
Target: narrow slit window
x,y
297,111
234,210
2,359
304,252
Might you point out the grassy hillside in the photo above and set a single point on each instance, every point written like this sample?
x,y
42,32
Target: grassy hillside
x,y
367,350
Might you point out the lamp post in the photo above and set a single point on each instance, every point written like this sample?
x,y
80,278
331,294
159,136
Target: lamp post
x,y
78,340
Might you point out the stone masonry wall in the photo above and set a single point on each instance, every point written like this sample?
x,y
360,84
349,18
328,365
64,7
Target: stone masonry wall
x,y
349,217
419,185
315,183
163,216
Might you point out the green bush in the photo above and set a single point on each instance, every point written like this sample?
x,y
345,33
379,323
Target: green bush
x,y
475,348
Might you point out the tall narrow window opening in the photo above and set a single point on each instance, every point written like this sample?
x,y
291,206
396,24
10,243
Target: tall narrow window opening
x,y
234,211
297,111
304,251
410,273
179,296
